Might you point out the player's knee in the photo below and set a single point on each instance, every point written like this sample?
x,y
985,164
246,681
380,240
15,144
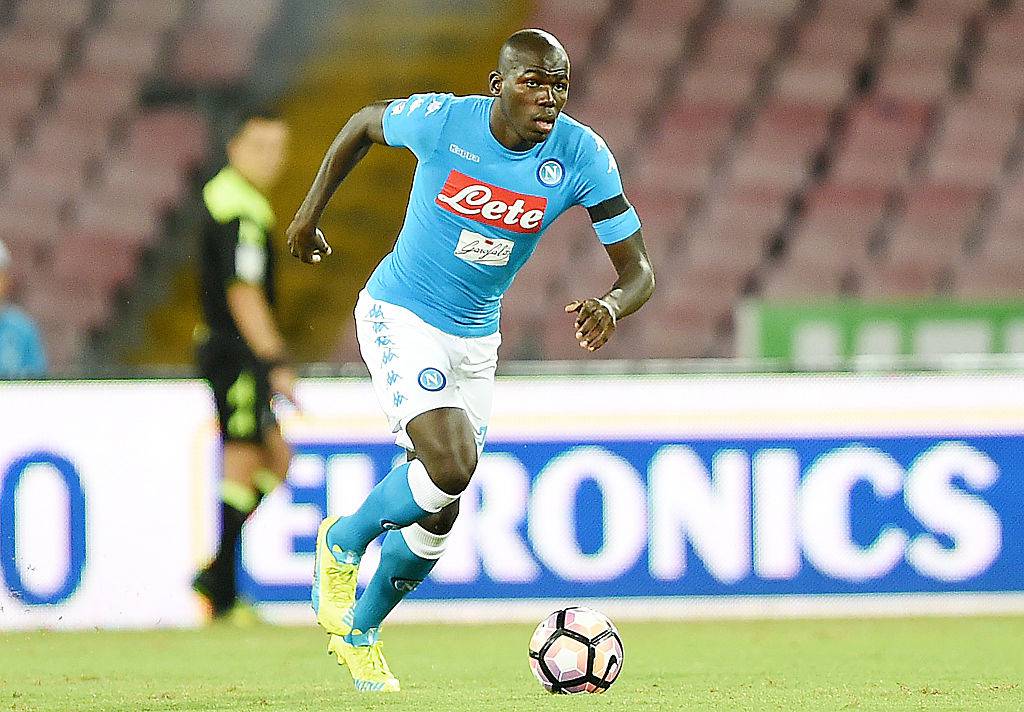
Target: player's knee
x,y
452,469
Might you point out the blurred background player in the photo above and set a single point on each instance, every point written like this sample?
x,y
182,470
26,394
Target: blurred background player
x,y
240,351
21,349
493,173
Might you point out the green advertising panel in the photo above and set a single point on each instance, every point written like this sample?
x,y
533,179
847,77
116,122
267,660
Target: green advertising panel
x,y
834,334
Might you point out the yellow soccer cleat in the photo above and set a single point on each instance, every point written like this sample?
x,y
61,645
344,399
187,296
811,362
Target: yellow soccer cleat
x,y
370,671
334,582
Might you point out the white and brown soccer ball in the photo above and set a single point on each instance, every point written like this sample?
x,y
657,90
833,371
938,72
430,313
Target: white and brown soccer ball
x,y
576,650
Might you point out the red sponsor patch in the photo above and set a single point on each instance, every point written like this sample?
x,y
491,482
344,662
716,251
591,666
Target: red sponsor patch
x,y
491,204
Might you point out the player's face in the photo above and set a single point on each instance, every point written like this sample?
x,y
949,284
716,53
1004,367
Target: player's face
x,y
258,151
533,95
3,285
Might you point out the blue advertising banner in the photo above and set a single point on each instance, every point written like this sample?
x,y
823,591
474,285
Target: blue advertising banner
x,y
627,517
646,496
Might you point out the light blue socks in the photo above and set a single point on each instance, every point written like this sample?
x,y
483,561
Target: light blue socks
x,y
406,557
405,495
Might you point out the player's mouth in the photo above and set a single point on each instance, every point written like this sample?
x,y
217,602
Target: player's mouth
x,y
545,124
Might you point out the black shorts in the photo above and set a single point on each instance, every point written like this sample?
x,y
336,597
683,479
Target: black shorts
x,y
240,390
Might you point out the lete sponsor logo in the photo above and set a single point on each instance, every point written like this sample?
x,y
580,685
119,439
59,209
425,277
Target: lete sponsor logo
x,y
491,205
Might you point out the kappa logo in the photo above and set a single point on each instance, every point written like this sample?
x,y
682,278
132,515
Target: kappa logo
x,y
491,205
550,173
463,153
431,379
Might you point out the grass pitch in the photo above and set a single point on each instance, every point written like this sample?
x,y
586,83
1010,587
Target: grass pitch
x,y
819,666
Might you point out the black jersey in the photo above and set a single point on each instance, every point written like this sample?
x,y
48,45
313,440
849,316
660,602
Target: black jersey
x,y
235,247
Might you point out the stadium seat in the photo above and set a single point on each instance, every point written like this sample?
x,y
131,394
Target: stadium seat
x,y
937,213
143,182
53,16
738,43
122,51
168,136
116,216
972,143
571,22
99,260
152,15
220,43
47,176
64,134
906,278
778,150
28,51
98,97
998,281
20,98
878,143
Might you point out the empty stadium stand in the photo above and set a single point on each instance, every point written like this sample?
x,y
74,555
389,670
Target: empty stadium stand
x,y
797,149
777,149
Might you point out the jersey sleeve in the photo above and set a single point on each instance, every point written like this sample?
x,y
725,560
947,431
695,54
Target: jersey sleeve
x,y
35,354
416,122
601,181
243,252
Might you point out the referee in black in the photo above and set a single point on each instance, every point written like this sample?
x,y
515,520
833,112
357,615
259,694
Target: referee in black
x,y
240,351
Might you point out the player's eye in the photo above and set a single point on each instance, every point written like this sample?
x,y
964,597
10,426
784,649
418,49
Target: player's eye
x,y
561,86
531,83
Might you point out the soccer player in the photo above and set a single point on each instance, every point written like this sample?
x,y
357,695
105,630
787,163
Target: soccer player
x,y
493,172
21,348
240,351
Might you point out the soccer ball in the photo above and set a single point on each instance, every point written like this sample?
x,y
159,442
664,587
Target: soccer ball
x,y
576,650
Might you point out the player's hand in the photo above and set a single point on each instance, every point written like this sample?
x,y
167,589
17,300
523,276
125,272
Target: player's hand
x,y
594,323
282,381
306,242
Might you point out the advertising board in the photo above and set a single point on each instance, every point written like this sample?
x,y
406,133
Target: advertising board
x,y
656,496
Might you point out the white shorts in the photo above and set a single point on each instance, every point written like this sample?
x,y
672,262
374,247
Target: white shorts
x,y
416,367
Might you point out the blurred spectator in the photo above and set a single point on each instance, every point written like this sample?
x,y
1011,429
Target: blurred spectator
x,y
21,350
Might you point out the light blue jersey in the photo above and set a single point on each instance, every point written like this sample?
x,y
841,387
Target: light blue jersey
x,y
21,349
478,209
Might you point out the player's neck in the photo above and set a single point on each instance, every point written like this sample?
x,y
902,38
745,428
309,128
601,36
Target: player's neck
x,y
503,132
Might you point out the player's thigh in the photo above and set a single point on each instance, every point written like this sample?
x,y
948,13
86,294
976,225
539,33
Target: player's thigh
x,y
474,379
409,363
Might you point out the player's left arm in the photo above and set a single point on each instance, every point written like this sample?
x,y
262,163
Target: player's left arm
x,y
596,317
617,226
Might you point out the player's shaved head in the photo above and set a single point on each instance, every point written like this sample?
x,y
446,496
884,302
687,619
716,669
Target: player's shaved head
x,y
532,48
531,85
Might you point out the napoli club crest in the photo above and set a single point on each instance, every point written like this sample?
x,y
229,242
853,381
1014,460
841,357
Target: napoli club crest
x,y
550,173
431,379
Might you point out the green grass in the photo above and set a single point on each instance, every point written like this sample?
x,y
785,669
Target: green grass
x,y
819,666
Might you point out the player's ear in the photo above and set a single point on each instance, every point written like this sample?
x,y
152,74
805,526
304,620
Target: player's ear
x,y
494,81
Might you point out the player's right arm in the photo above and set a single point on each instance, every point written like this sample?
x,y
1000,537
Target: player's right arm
x,y
364,129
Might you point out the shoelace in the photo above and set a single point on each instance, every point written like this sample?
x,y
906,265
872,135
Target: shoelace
x,y
341,583
377,661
